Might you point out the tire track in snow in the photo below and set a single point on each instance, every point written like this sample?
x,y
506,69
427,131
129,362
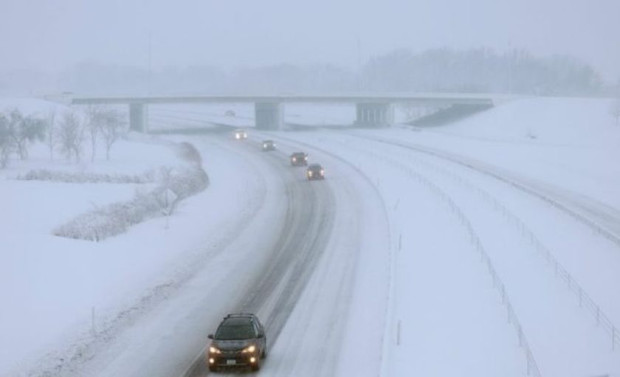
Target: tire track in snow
x,y
275,292
347,278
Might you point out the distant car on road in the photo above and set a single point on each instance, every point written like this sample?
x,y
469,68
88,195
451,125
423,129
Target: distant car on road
x,y
269,145
315,171
241,134
299,159
238,342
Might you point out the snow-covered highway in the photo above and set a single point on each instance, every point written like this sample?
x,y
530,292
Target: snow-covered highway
x,y
470,249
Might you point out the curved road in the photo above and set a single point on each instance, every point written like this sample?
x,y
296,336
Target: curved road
x,y
292,256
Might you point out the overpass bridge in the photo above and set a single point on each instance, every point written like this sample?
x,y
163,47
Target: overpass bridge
x,y
372,110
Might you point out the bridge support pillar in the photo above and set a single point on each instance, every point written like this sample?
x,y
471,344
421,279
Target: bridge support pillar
x,y
269,115
374,114
138,117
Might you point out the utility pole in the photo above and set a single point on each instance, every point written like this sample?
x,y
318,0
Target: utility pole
x,y
150,72
359,63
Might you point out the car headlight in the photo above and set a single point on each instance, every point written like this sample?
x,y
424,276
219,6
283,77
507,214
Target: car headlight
x,y
249,349
214,350
310,174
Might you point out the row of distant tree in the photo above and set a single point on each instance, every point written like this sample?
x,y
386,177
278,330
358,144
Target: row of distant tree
x,y
68,134
477,70
481,70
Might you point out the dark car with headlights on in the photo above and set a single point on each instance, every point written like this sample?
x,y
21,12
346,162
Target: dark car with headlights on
x,y
299,159
269,145
240,134
238,342
315,171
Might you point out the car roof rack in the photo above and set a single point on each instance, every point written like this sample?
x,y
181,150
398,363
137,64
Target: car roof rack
x,y
232,315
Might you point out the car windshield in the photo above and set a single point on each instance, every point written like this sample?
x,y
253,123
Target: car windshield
x,y
235,332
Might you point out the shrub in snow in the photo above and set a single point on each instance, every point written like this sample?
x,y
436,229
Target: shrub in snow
x,y
118,217
189,153
59,176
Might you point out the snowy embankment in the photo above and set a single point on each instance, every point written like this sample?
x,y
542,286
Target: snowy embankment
x,y
54,288
174,185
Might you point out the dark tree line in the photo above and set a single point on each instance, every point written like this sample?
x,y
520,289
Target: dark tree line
x,y
477,70
480,70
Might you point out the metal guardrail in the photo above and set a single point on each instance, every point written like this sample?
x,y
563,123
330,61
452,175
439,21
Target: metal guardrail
x,y
532,366
585,300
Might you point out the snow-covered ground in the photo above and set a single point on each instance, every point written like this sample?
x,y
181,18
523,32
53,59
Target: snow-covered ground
x,y
443,259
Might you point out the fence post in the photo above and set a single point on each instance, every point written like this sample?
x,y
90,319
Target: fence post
x,y
527,357
92,323
503,294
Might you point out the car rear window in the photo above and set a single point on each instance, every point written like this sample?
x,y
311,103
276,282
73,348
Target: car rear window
x,y
235,332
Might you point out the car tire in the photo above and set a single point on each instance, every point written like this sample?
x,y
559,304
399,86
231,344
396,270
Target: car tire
x,y
212,368
256,368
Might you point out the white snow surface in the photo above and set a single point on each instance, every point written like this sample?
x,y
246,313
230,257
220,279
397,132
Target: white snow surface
x,y
417,212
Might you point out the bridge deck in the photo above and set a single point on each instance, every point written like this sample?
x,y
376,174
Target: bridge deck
x,y
434,98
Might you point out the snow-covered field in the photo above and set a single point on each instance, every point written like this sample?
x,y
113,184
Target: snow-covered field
x,y
489,247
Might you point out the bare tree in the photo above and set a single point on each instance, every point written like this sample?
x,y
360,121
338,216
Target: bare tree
x,y
24,130
71,135
6,144
112,128
614,110
50,133
95,119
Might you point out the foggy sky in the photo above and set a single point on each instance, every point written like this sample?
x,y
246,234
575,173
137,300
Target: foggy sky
x,y
51,35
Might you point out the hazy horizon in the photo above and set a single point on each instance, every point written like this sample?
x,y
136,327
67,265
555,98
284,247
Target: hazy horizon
x,y
52,37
